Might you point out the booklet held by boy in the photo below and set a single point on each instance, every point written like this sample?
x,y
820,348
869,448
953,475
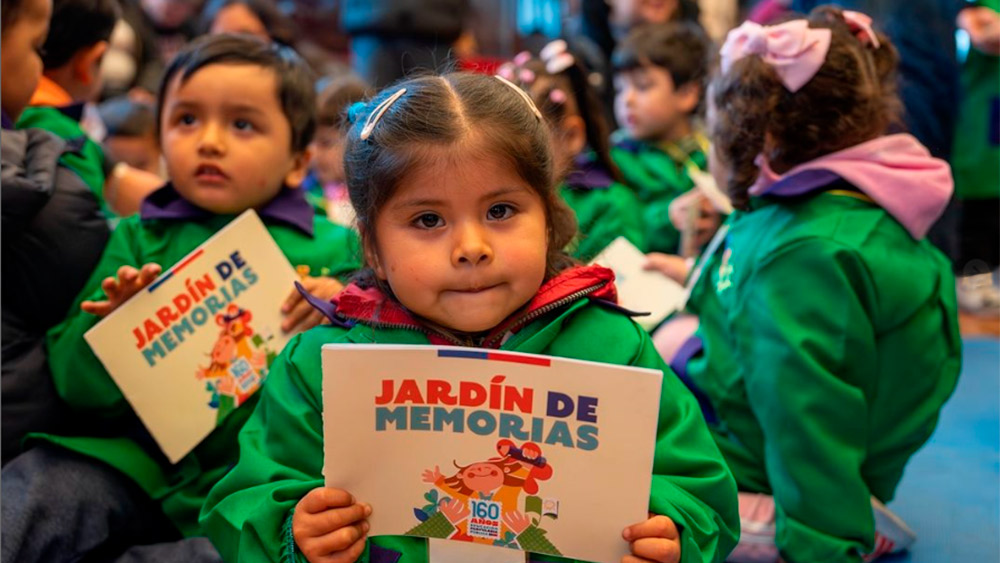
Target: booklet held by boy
x,y
197,342
515,451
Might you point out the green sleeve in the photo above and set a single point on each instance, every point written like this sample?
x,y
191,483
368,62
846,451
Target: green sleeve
x,y
604,215
79,377
660,233
691,483
246,514
806,327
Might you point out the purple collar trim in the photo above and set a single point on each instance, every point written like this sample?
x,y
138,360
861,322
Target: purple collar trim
x,y
289,207
588,174
8,123
801,183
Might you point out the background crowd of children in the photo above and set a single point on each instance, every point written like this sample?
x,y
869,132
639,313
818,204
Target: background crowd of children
x,y
816,349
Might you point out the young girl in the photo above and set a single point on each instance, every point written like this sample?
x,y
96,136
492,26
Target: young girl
x,y
451,178
828,339
591,182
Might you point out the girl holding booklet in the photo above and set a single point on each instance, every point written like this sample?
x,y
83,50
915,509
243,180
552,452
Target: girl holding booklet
x,y
463,234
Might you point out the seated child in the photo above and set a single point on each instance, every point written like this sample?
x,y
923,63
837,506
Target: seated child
x,y
464,235
236,116
131,133
829,339
72,57
590,181
325,182
659,70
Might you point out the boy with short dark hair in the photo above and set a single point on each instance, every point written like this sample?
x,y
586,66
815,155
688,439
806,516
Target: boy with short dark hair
x,y
235,116
659,74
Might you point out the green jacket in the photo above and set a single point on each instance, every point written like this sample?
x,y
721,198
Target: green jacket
x,y
975,158
248,514
658,174
829,343
604,209
81,380
87,160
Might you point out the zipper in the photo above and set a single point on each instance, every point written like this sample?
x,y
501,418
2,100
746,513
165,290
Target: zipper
x,y
532,315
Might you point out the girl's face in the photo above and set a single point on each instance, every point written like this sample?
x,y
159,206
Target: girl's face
x,y
20,63
462,242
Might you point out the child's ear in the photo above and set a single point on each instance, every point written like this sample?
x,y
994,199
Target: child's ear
x,y
688,97
574,133
371,254
300,168
87,62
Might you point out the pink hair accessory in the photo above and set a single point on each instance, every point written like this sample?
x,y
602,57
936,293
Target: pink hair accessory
x,y
526,76
522,57
506,70
557,96
861,26
793,49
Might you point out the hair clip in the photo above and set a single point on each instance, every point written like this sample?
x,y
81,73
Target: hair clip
x,y
557,57
354,111
522,93
506,70
861,26
557,96
521,58
377,113
526,76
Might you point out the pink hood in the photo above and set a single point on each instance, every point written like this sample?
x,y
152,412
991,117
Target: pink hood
x,y
895,171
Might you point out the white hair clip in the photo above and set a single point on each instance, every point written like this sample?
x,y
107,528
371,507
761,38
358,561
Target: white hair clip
x,y
377,113
522,93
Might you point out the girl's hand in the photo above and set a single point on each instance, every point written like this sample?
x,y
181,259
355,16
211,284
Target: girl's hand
x,y
432,475
656,539
670,265
299,314
706,217
329,526
129,282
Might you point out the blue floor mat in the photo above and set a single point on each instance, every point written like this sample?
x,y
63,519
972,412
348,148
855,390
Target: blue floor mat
x,y
950,493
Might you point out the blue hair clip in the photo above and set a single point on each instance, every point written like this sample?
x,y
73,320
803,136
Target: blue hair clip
x,y
355,111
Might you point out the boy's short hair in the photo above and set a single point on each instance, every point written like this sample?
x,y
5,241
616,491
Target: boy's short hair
x,y
76,25
124,117
337,97
295,80
681,48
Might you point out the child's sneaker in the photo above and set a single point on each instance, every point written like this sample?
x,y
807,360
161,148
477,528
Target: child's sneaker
x,y
892,535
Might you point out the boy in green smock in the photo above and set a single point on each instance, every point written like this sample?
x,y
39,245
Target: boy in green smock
x,y
236,116
659,70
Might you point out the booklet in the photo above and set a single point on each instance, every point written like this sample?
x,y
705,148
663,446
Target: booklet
x,y
509,450
645,291
196,344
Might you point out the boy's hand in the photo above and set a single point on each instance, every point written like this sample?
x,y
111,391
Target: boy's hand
x,y
656,539
299,314
329,526
670,265
129,282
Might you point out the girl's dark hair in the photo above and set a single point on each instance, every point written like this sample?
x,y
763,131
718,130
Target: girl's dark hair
x,y
445,111
295,80
278,26
850,100
582,99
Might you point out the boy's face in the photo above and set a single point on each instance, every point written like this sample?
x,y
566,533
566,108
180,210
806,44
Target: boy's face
x,y
140,152
20,64
226,140
328,155
649,107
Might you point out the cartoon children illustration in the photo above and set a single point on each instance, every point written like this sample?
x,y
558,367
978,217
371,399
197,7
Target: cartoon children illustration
x,y
237,365
483,498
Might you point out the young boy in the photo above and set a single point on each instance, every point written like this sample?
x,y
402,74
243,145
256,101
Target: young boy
x,y
72,56
659,70
235,117
131,133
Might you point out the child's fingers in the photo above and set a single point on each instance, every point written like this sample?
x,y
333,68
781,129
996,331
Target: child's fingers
x,y
657,549
337,518
148,273
342,539
127,274
634,559
99,308
110,287
351,554
293,298
323,498
654,527
298,314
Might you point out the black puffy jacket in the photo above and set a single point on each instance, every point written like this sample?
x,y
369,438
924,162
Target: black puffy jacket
x,y
53,234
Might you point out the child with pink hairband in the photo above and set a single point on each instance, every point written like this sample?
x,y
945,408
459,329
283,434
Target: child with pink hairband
x,y
828,338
